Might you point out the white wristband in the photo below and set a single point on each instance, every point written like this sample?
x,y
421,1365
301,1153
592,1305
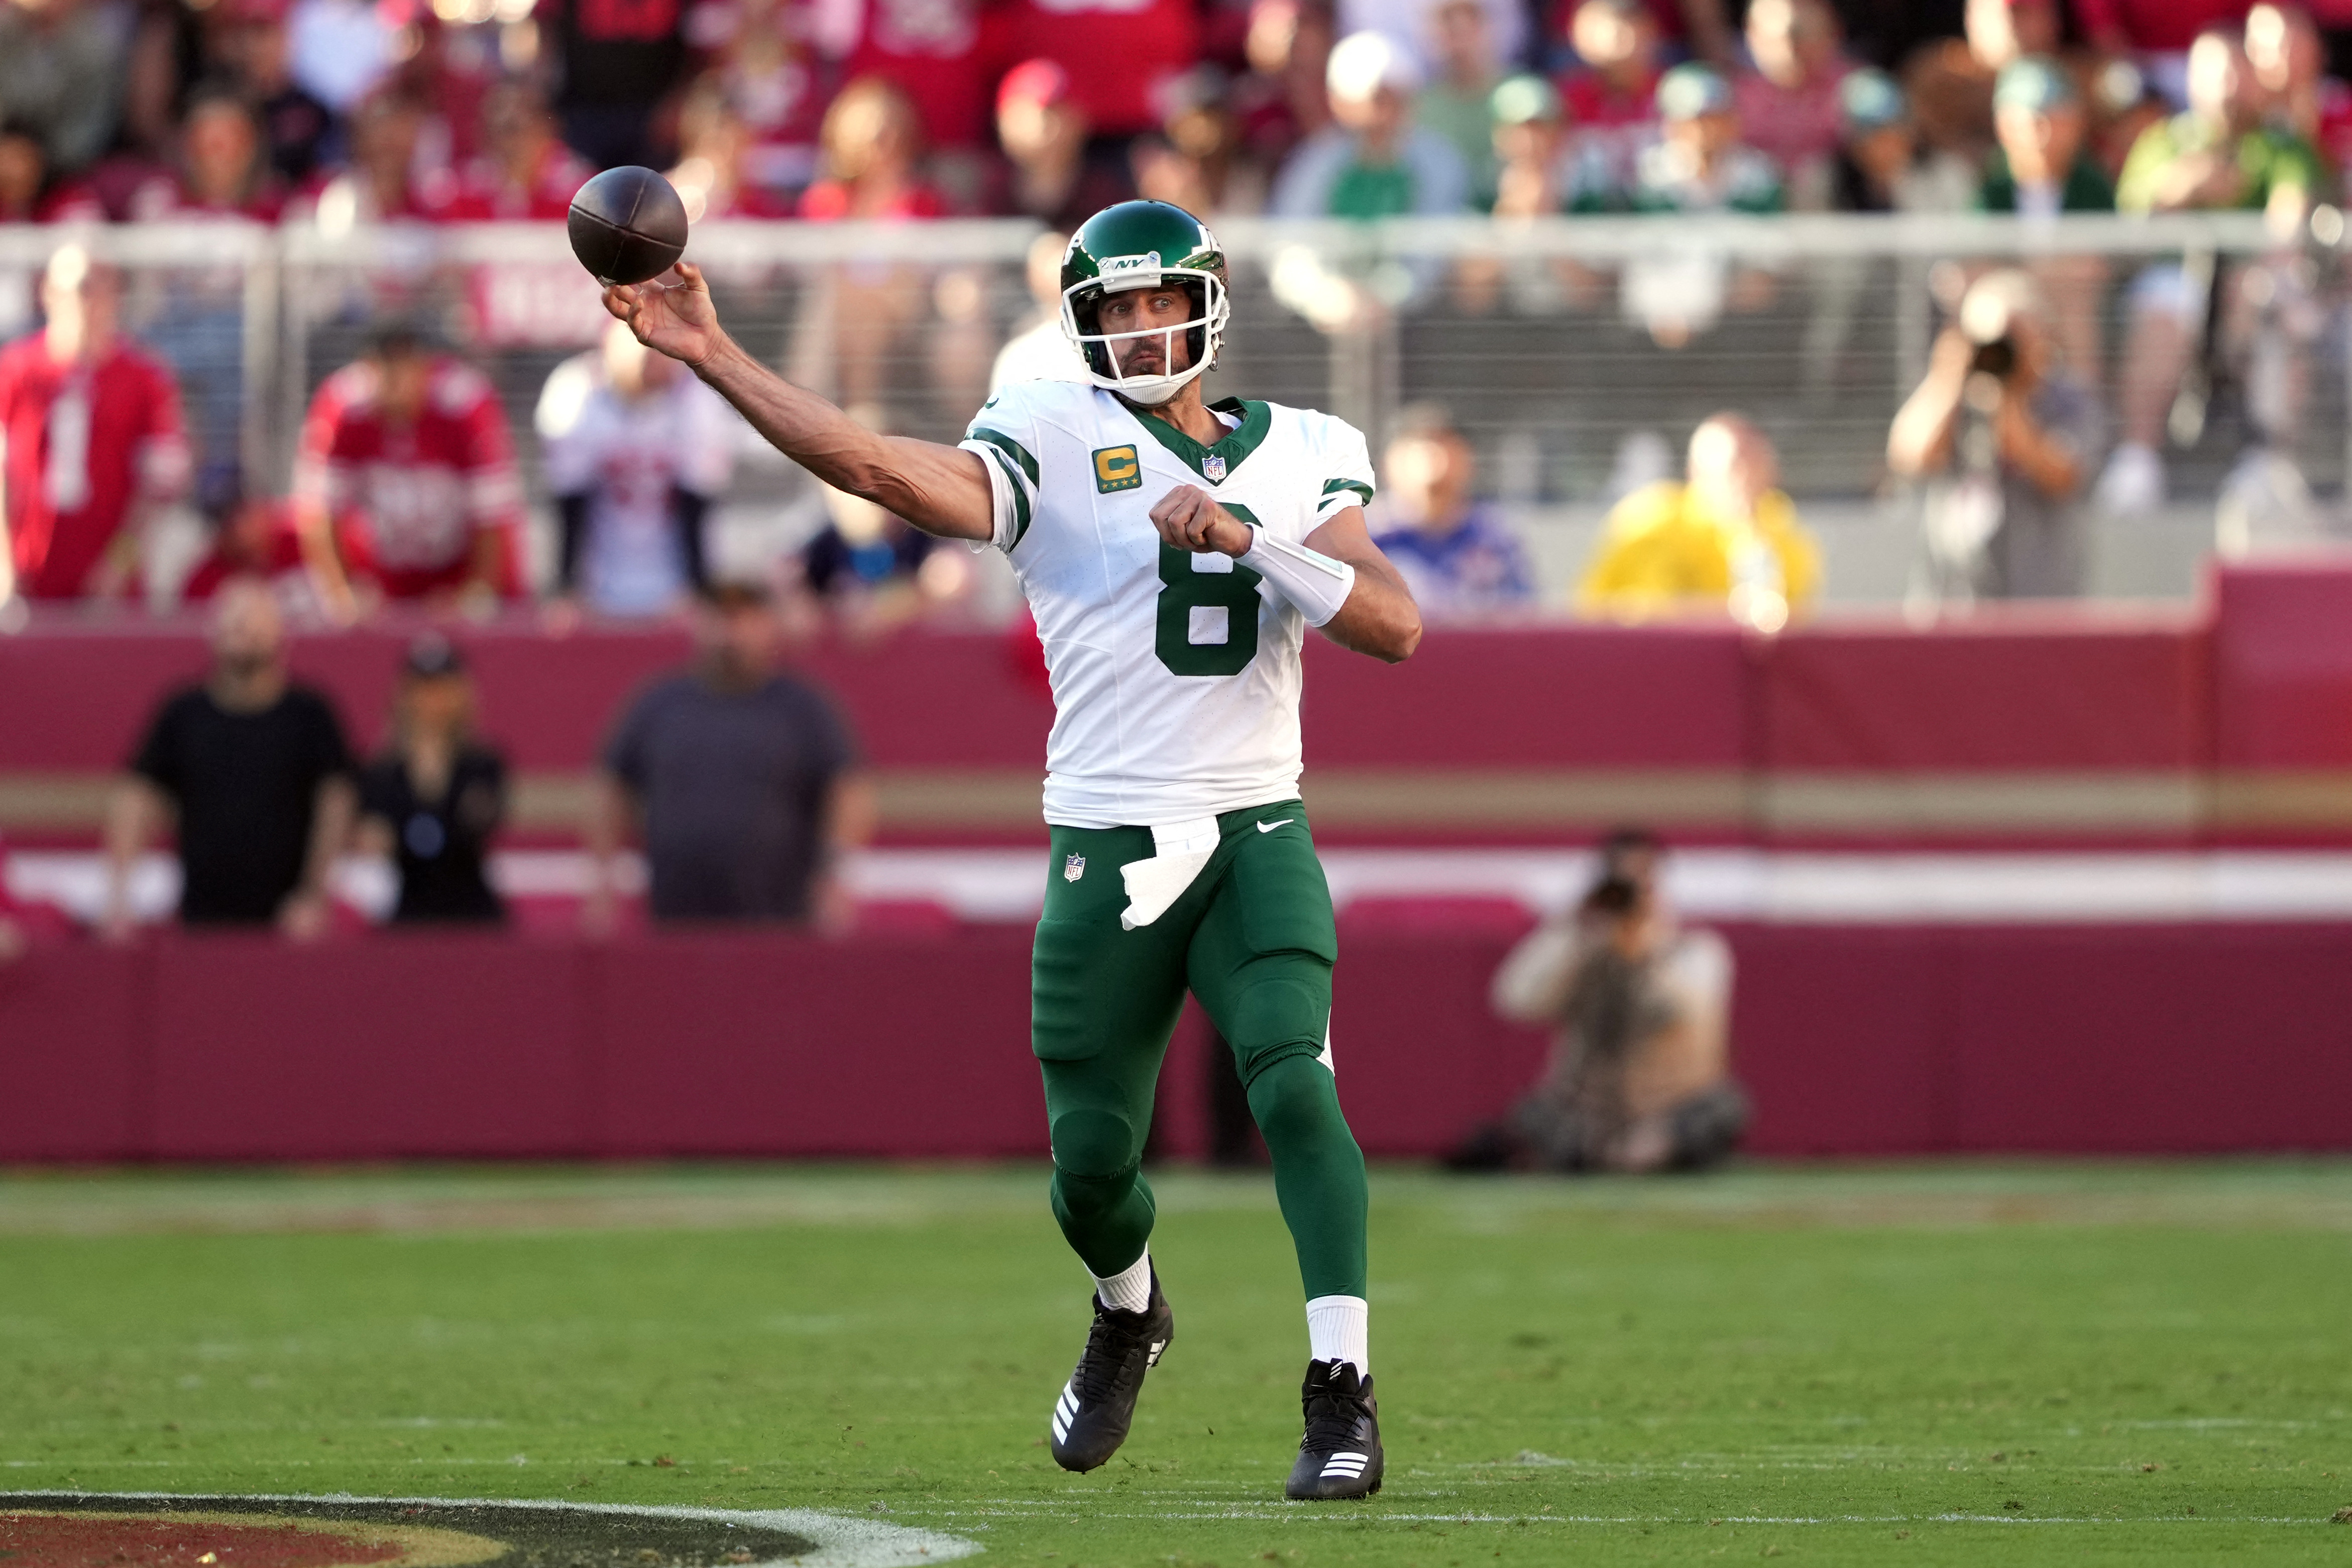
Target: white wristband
x,y
1318,585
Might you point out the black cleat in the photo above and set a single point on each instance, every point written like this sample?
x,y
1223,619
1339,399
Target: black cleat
x,y
1096,1406
1341,1455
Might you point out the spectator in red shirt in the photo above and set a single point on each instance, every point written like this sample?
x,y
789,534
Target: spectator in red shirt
x,y
1282,100
221,172
259,541
27,194
90,434
1788,105
873,145
1121,54
1056,172
525,171
405,480
770,86
1612,102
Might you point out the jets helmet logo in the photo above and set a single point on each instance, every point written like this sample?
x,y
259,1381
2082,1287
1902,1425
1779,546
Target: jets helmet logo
x,y
1074,867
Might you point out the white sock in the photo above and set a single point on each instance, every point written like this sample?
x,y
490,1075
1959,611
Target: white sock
x,y
1130,1289
1340,1328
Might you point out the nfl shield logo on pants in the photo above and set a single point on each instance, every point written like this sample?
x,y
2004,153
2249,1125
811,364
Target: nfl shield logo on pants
x,y
1074,867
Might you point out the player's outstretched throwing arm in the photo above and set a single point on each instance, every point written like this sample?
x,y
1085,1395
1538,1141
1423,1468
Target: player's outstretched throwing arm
x,y
942,490
1338,578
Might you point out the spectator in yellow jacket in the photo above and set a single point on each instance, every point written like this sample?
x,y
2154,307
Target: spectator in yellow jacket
x,y
1725,539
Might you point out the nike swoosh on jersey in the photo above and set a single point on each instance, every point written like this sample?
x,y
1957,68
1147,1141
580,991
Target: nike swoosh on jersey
x,y
1270,827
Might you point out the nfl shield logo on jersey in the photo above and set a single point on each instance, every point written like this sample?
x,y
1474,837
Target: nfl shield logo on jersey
x,y
1213,468
1074,867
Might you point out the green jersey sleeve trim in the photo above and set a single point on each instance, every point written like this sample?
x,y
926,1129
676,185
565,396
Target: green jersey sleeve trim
x,y
1364,492
1008,446
1256,418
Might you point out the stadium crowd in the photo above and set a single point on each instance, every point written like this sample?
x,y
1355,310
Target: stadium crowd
x,y
350,112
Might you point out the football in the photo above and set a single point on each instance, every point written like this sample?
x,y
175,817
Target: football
x,y
627,225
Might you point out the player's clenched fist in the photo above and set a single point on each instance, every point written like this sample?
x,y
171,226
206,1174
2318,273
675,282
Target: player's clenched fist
x,y
1189,518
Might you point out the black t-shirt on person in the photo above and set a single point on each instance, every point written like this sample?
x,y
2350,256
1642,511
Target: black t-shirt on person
x,y
247,786
442,844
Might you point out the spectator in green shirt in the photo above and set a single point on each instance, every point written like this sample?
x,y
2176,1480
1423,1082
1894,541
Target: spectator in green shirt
x,y
2042,167
1375,162
1456,104
2216,156
1699,163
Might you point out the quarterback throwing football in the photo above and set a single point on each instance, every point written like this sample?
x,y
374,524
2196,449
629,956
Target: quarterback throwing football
x,y
1174,552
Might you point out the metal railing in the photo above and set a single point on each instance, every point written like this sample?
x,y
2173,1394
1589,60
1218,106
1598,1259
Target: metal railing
x,y
1543,337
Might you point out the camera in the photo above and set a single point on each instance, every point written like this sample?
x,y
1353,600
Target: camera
x,y
1997,359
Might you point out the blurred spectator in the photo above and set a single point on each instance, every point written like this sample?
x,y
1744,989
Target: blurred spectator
x,y
255,770
1194,160
1789,105
1531,177
27,192
61,74
616,65
14,941
2041,169
257,540
405,484
381,184
1123,56
875,570
770,88
636,451
744,779
525,171
873,150
2216,155
2288,60
932,53
2009,438
1641,1010
1374,162
1282,99
1040,351
1698,164
718,166
431,801
1949,83
1612,98
1457,103
854,317
89,438
221,171
1461,558
1700,161
337,51
1055,171
253,48
1419,27
1725,539
1880,166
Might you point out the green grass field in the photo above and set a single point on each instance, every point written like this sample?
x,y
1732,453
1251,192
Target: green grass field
x,y
1911,1364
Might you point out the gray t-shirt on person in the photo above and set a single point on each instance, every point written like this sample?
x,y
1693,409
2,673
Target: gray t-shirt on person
x,y
733,785
2040,551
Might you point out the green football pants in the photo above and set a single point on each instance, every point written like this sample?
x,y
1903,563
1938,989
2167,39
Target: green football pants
x,y
1253,938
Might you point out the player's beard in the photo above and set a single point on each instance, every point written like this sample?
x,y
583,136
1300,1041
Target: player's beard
x,y
1152,356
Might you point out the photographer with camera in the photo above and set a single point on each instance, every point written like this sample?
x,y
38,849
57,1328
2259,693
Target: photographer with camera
x,y
2007,439
1640,1007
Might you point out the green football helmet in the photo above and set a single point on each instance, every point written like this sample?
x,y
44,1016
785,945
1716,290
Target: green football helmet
x,y
1142,244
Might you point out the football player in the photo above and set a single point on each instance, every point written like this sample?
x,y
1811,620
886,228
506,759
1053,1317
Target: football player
x,y
1174,552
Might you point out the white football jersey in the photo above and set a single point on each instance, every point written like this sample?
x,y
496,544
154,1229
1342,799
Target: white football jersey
x,y
1176,676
